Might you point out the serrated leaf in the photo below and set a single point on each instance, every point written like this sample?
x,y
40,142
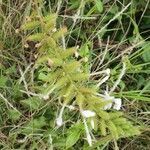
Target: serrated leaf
x,y
104,115
14,114
74,134
50,18
62,82
113,129
72,66
32,103
34,125
68,52
36,37
60,33
79,77
103,127
30,25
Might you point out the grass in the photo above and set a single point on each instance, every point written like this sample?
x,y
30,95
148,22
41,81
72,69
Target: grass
x,y
107,34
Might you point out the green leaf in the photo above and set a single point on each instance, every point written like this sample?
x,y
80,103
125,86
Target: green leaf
x,y
50,18
104,115
74,4
103,127
60,33
32,103
36,37
74,134
42,77
30,25
146,53
79,77
68,52
84,51
34,125
72,66
101,141
14,114
113,129
3,81
99,5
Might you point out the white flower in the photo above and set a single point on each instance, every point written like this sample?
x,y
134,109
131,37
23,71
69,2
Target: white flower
x,y
107,71
71,107
76,54
89,139
108,106
59,121
117,103
108,98
88,113
45,97
88,136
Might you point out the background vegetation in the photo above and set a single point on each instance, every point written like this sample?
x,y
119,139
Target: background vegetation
x,y
105,34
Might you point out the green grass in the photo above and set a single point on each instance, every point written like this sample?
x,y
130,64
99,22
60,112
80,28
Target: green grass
x,y
108,34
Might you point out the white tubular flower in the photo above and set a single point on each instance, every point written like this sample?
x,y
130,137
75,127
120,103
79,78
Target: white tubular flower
x,y
88,136
59,121
117,104
89,139
87,113
45,97
103,81
107,71
107,97
108,106
76,54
